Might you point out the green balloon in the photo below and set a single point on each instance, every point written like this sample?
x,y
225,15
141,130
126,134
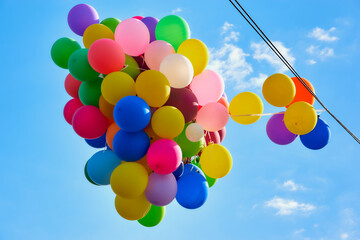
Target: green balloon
x,y
111,23
87,175
188,147
132,68
172,29
62,49
79,66
211,181
90,92
153,217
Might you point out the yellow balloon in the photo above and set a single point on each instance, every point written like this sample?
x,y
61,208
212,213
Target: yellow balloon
x,y
197,52
106,108
153,87
216,161
167,122
279,90
117,85
132,209
246,103
300,118
129,180
95,32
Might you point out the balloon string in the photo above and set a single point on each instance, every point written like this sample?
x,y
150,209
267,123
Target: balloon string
x,y
270,114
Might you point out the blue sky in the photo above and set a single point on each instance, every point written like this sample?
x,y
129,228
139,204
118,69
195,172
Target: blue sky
x,y
272,192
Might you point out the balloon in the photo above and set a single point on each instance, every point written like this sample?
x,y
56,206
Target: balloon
x,y
141,62
143,161
132,114
111,23
216,161
110,134
192,168
131,67
97,142
300,118
177,69
152,135
153,87
224,102
79,66
194,132
62,49
156,52
106,56
188,147
318,137
278,90
246,103
101,165
179,171
132,209
197,52
212,117
172,29
72,86
95,32
90,92
150,23
301,93
138,17
222,134
184,100
167,122
133,36
207,87
106,108
212,137
88,122
87,175
153,217
117,85
161,189
164,156
130,146
277,131
210,181
80,17
129,180
70,108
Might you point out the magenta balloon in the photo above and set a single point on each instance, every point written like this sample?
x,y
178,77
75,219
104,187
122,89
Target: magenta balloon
x,y
80,17
150,23
212,117
161,189
277,131
222,134
212,137
70,108
164,156
156,52
184,100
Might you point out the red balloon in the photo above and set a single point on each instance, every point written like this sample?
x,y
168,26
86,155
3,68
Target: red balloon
x,y
106,56
141,63
88,122
212,137
72,86
222,134
70,108
184,100
138,17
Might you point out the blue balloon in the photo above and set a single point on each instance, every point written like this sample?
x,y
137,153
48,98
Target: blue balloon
x,y
318,137
131,146
101,165
132,114
189,168
192,190
87,175
179,171
97,142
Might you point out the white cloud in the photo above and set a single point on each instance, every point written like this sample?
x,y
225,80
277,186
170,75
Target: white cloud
x,y
323,35
344,236
262,52
288,206
227,26
311,62
290,185
297,232
321,53
176,10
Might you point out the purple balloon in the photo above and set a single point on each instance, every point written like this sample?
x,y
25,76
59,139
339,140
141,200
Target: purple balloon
x,y
80,17
161,189
150,23
222,134
277,131
184,100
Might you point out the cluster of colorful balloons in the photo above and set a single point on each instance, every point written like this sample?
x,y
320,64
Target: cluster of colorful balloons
x,y
142,92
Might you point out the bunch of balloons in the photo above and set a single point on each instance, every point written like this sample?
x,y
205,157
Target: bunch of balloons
x,y
140,90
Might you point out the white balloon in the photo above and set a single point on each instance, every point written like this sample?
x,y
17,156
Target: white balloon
x,y
178,70
194,132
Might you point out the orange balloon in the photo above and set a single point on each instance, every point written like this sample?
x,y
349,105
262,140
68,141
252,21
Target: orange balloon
x,y
110,134
152,135
106,108
224,102
302,94
144,162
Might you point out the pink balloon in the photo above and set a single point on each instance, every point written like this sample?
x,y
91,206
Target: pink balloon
x,y
161,189
138,17
213,116
208,87
70,109
88,122
133,36
164,156
72,86
156,52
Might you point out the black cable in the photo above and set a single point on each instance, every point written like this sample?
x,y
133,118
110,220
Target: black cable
x,y
287,64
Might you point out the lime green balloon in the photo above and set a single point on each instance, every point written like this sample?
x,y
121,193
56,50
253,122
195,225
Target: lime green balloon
x,y
62,49
111,23
90,92
211,181
131,67
153,217
172,29
87,175
188,148
79,66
